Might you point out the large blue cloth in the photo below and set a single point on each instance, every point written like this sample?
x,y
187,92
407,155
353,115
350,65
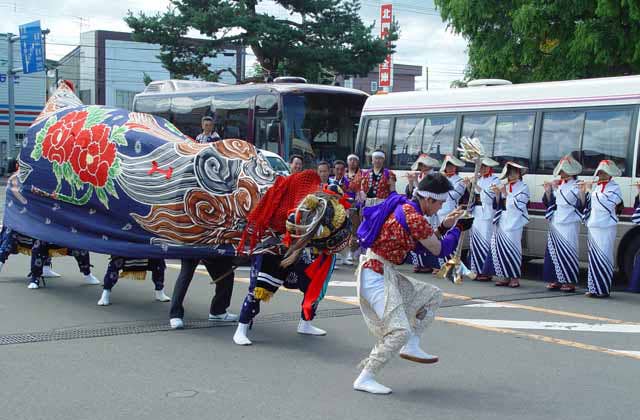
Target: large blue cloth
x,y
120,183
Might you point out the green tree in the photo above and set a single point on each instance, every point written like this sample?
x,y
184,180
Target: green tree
x,y
319,36
534,40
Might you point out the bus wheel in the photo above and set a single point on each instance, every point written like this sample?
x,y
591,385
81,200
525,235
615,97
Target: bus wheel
x,y
629,256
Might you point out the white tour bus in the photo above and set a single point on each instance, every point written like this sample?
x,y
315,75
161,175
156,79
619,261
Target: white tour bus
x,y
534,124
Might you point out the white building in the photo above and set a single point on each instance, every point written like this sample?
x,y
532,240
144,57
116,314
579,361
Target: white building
x,y
109,68
30,94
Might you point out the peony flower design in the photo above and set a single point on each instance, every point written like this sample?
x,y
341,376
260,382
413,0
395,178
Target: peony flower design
x,y
82,150
59,140
93,154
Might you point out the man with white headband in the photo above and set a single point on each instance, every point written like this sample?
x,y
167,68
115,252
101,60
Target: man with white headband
x,y
397,308
377,183
352,175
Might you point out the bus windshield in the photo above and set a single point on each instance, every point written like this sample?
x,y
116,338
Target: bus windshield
x,y
321,126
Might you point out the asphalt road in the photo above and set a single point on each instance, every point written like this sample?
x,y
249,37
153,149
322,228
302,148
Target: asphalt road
x,y
505,353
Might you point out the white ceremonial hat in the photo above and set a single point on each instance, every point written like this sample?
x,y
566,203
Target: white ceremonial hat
x,y
453,160
609,167
505,170
426,160
489,162
568,165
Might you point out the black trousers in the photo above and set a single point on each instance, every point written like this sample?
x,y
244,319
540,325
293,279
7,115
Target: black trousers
x,y
224,288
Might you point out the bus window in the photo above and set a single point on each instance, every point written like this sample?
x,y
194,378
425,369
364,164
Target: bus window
x,y
267,127
561,132
606,136
514,136
437,140
321,126
188,112
231,115
407,142
480,126
377,138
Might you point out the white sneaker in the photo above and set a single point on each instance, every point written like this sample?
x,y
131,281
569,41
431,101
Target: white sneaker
x,y
160,296
48,272
105,299
225,317
412,351
305,327
33,285
91,279
176,323
240,337
367,383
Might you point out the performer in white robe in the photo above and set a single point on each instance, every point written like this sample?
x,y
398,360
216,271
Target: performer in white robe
x,y
423,166
564,213
511,216
481,207
601,216
457,196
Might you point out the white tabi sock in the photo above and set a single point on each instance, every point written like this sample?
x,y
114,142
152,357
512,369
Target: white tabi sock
x,y
412,351
91,279
366,382
240,337
105,299
48,272
160,296
305,327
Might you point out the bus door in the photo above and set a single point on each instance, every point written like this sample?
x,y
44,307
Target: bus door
x,y
267,124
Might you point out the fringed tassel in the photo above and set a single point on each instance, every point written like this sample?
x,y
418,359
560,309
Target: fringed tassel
x,y
134,275
262,294
58,252
24,250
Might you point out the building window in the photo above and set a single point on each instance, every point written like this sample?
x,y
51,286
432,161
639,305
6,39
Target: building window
x,y
374,86
124,99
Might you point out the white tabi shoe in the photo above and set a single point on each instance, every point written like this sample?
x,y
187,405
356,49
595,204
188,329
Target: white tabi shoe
x,y
240,337
48,272
176,323
91,279
412,351
33,284
160,296
305,327
105,299
366,382
225,317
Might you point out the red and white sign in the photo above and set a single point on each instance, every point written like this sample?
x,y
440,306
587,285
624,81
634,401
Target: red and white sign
x,y
385,70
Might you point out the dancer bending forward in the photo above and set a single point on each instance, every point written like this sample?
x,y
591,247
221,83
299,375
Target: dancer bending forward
x,y
397,308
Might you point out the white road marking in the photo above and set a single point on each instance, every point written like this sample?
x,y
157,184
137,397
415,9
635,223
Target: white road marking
x,y
628,352
488,304
343,283
557,326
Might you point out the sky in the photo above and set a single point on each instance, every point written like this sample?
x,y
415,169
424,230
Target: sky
x,y
424,38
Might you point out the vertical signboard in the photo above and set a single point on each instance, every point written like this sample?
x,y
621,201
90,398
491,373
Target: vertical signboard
x,y
31,47
385,70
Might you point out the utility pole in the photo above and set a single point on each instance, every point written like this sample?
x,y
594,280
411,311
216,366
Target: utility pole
x,y
45,32
427,76
11,79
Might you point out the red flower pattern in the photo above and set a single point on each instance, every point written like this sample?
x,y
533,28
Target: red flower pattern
x,y
394,242
61,136
93,154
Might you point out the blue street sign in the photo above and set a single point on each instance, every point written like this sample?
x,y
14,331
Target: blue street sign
x,y
31,48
